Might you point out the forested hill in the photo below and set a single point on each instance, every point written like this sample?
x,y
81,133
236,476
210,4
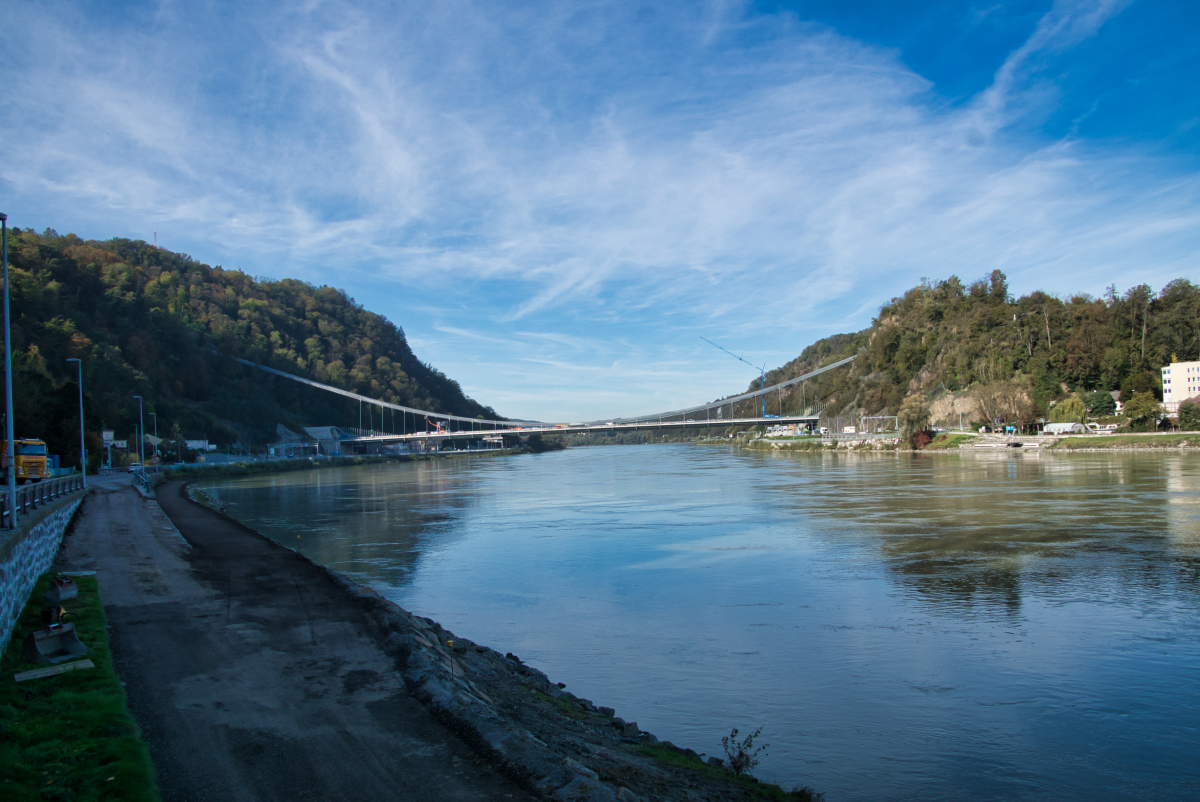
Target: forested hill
x,y
149,322
970,344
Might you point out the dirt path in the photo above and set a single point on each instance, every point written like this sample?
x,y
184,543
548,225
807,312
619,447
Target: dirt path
x,y
252,675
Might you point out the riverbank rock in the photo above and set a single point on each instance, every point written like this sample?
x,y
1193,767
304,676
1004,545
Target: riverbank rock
x,y
557,745
561,746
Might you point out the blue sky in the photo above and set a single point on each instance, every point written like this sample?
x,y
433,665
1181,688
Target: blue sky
x,y
557,200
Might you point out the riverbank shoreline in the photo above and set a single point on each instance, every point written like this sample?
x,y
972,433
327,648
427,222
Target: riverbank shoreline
x,y
1167,443
560,746
257,467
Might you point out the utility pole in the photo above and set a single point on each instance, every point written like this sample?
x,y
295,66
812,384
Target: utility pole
x,y
82,447
141,434
8,398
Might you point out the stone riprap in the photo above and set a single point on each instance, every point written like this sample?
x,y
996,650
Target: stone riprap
x,y
564,747
560,746
26,554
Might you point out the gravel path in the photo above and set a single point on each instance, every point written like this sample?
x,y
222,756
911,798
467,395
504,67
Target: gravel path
x,y
252,675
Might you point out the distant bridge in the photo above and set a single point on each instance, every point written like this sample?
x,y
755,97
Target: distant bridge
x,y
582,428
441,426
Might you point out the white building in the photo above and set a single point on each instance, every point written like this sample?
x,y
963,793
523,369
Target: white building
x,y
1064,428
1181,381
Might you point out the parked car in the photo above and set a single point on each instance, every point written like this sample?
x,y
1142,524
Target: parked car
x,y
135,467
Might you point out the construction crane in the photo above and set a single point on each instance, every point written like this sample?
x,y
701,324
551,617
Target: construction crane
x,y
762,371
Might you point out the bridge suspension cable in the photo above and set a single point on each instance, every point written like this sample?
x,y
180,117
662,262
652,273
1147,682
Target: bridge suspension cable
x,y
379,402
508,424
734,399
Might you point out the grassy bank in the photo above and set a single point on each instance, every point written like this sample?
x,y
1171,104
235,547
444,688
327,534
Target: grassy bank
x,y
949,440
758,790
69,736
1129,441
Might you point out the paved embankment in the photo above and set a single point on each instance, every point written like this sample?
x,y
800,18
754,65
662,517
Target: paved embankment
x,y
252,675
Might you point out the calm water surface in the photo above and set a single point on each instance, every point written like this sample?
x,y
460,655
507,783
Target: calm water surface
x,y
935,628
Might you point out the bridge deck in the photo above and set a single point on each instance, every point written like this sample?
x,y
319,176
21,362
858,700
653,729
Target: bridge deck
x,y
586,428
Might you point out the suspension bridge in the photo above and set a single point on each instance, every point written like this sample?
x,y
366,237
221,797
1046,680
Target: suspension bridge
x,y
426,425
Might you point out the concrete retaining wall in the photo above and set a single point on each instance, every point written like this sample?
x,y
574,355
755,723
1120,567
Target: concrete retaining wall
x,y
26,553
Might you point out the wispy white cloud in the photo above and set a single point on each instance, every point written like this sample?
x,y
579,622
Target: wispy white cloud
x,y
613,180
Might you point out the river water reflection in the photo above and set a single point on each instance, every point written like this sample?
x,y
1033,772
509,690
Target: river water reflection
x,y
946,627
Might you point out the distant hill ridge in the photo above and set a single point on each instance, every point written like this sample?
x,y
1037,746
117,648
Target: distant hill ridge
x,y
946,337
146,321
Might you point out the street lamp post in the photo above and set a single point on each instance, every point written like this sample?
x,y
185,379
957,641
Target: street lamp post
x,y
141,434
82,447
10,451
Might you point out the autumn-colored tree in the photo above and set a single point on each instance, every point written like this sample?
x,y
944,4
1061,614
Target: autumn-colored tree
x,y
149,322
1016,355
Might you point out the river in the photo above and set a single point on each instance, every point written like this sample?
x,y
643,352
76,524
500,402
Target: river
x,y
941,627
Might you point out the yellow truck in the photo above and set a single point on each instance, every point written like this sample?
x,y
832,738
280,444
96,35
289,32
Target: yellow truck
x,y
32,462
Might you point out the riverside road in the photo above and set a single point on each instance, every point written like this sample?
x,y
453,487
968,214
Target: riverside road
x,y
252,675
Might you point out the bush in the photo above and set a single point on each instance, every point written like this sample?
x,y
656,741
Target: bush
x,y
913,416
1142,411
1189,416
741,757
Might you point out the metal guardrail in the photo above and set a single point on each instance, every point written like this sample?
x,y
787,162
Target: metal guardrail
x,y
30,497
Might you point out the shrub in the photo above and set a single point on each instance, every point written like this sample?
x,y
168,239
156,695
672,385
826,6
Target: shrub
x,y
913,416
1189,416
743,756
1143,411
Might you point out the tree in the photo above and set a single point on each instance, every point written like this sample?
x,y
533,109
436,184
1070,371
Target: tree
x,y
1142,411
1003,401
999,285
914,416
1100,403
1145,382
1189,416
1070,410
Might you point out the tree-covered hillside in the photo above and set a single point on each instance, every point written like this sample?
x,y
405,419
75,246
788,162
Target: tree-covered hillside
x,y
149,322
991,355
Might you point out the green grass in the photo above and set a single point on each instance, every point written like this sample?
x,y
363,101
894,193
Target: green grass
x,y
950,440
1129,441
69,737
759,790
562,705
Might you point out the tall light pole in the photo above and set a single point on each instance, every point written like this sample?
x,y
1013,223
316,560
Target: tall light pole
x,y
82,448
155,416
141,434
8,404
